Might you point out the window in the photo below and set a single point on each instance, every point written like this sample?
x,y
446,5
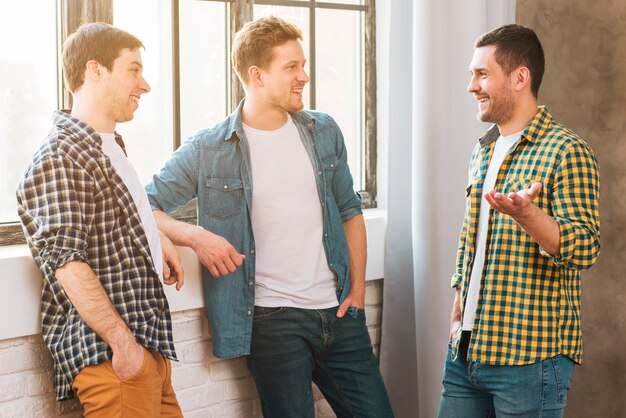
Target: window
x,y
187,64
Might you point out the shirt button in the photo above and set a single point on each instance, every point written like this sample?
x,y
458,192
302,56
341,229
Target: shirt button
x,y
319,173
332,165
250,283
322,203
249,313
326,235
252,251
225,186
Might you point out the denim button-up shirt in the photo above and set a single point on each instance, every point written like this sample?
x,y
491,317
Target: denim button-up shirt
x,y
214,166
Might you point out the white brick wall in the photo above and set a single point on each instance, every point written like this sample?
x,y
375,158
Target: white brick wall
x,y
206,386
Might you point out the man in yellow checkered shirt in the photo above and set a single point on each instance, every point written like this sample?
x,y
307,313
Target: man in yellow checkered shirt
x,y
531,226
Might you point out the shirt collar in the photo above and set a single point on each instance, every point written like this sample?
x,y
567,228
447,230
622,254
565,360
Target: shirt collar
x,y
235,125
64,119
534,130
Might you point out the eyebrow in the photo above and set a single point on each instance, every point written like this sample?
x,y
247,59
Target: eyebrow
x,y
137,63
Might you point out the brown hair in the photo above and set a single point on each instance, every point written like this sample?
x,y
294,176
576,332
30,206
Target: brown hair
x,y
516,46
93,41
254,42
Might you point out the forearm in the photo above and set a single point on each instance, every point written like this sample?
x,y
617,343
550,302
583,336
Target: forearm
x,y
456,307
179,232
93,305
542,228
356,237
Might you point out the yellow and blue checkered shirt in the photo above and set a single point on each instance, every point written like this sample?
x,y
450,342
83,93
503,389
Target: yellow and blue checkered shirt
x,y
529,302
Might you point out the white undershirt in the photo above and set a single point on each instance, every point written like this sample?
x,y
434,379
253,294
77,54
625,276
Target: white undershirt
x,y
128,174
291,265
504,146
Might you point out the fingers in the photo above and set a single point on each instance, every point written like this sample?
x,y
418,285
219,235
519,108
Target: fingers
x,y
343,308
224,262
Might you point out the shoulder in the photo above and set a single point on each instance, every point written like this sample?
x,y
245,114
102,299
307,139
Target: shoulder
x,y
214,136
320,120
563,140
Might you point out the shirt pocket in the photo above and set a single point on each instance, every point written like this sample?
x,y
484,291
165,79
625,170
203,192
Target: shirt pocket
x,y
329,164
224,196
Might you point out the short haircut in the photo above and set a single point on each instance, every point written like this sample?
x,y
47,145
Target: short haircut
x,y
93,41
254,42
516,46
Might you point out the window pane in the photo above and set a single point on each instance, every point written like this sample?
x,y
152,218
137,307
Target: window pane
x,y
148,136
339,73
28,90
298,16
352,2
203,76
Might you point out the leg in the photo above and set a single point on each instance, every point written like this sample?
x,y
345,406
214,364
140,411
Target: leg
x,y
557,377
346,369
536,390
169,404
281,362
460,397
102,394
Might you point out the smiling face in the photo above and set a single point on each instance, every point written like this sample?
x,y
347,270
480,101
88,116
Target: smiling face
x,y
285,78
123,86
492,88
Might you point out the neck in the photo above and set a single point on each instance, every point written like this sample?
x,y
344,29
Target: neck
x,y
260,114
524,112
89,112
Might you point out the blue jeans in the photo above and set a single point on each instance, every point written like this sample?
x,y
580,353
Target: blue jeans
x,y
472,390
293,347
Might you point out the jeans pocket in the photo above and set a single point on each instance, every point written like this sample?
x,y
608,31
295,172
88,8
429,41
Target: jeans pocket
x,y
262,312
557,377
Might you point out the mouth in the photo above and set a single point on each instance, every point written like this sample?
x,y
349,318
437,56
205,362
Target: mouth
x,y
134,98
297,91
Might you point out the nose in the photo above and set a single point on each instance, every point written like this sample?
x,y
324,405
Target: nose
x,y
143,85
473,86
303,76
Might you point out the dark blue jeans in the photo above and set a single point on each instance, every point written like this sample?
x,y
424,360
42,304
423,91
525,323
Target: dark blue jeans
x,y
472,390
293,347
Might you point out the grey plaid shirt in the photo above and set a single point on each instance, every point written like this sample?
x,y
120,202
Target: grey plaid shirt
x,y
74,206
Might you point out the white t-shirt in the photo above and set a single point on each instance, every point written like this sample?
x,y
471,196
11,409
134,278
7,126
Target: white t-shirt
x,y
129,176
504,146
291,265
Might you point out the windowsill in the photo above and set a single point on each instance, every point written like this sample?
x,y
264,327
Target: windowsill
x,y
20,285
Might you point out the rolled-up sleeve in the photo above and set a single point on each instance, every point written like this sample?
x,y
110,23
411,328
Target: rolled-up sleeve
x,y
575,196
56,205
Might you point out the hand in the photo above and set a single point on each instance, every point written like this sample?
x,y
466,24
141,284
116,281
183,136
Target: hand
x,y
172,266
126,363
514,204
454,328
355,298
216,254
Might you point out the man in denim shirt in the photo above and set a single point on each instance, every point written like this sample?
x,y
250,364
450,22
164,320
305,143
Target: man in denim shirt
x,y
280,220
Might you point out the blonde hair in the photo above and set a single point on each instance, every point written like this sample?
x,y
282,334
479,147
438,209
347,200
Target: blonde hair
x,y
254,42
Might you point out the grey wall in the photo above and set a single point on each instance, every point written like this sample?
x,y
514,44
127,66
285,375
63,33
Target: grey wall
x,y
585,88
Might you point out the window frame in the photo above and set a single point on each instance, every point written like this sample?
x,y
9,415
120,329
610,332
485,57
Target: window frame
x,y
72,13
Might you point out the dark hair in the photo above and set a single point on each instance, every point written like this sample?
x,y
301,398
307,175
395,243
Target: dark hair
x,y
254,43
516,46
93,41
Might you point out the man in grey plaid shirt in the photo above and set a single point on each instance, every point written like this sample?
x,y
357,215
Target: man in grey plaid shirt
x,y
86,217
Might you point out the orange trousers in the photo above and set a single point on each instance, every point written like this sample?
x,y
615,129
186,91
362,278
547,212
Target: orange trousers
x,y
147,394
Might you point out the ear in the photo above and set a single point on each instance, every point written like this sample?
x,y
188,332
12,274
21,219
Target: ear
x,y
521,78
255,76
93,70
